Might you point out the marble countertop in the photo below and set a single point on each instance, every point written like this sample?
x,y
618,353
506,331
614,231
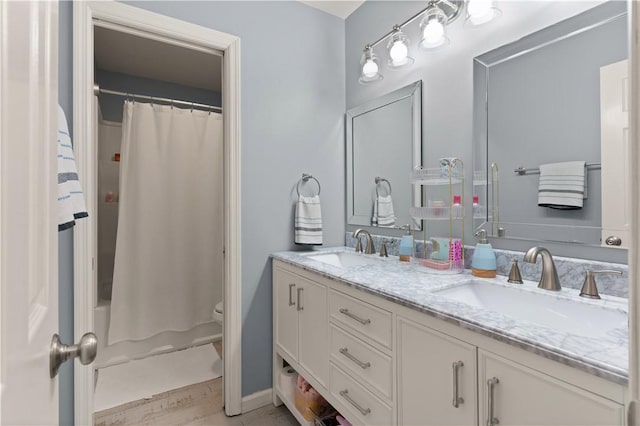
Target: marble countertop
x,y
417,287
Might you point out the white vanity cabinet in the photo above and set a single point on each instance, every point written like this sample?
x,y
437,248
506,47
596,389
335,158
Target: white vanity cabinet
x,y
381,363
518,395
300,319
436,377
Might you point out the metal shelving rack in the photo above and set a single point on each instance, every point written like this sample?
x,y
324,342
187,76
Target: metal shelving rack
x,y
450,175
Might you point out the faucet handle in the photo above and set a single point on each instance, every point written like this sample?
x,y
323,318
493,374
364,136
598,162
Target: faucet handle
x,y
514,274
383,249
589,288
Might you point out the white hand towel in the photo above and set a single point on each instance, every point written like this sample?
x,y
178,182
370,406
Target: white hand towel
x,y
383,214
308,221
71,203
562,186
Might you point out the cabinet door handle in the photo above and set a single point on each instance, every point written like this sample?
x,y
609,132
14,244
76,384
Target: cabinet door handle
x,y
363,365
491,420
299,292
346,312
457,400
291,302
345,395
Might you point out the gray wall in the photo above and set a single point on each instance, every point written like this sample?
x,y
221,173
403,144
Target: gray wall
x,y
65,238
111,106
293,85
447,75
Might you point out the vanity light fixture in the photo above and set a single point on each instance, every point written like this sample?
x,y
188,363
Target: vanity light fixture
x,y
370,69
435,18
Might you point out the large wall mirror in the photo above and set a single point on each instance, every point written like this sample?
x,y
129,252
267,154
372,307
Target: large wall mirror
x,y
557,95
384,144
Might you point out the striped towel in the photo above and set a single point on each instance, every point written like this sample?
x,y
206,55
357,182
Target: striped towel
x,y
383,211
71,204
308,221
562,186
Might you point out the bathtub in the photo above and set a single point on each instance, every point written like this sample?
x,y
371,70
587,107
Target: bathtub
x,y
167,341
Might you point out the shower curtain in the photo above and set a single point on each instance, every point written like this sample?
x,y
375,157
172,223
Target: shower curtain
x,y
169,244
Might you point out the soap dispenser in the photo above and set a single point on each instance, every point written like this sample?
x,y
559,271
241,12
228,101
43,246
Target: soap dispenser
x,y
406,245
483,261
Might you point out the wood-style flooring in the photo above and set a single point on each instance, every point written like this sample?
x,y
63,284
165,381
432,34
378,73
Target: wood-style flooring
x,y
197,404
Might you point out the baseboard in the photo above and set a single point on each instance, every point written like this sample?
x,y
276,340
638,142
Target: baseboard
x,y
256,400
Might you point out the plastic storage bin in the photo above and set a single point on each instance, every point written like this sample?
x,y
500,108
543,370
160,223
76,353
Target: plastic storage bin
x,y
308,401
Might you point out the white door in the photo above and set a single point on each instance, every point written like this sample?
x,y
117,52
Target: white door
x,y
614,153
28,196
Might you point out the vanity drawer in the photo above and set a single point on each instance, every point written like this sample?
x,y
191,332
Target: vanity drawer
x,y
361,317
363,406
362,361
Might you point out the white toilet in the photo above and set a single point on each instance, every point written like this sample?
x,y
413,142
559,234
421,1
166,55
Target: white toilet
x,y
218,313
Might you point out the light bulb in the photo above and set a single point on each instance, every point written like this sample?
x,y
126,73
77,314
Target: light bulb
x,y
370,68
433,31
481,11
398,51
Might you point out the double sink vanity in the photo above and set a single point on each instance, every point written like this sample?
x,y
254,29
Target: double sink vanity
x,y
387,342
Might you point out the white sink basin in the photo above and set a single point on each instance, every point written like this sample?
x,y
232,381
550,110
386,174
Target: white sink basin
x,y
343,259
562,314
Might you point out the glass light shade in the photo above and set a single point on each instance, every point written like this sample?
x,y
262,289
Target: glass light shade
x,y
369,67
480,12
398,48
433,26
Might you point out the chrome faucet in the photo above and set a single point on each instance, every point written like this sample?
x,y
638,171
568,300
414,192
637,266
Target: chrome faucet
x,y
370,249
549,278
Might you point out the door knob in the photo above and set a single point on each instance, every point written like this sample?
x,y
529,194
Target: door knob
x,y
86,350
613,241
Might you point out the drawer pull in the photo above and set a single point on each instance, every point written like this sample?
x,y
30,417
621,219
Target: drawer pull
x,y
363,365
346,312
299,292
345,395
291,302
491,420
457,400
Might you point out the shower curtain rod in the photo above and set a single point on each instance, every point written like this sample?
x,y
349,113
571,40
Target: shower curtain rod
x,y
97,90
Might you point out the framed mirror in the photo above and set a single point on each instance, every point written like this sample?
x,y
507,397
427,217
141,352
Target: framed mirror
x,y
384,145
541,101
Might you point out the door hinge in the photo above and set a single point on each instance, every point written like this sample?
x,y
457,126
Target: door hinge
x,y
93,263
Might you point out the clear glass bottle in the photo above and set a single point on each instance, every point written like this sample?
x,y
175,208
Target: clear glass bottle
x,y
477,209
456,208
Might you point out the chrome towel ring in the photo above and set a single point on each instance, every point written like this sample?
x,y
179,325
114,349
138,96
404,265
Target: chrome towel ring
x,y
305,177
379,180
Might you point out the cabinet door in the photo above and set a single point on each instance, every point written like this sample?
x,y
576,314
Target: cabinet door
x,y
523,396
284,310
428,380
313,333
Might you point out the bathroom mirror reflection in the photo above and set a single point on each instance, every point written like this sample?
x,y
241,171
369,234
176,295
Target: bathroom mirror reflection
x,y
383,146
549,98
